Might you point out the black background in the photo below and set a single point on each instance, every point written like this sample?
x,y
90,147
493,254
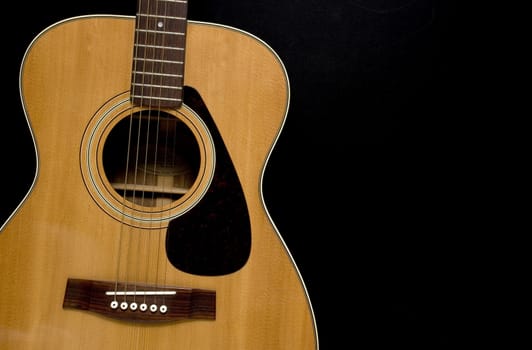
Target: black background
x,y
378,183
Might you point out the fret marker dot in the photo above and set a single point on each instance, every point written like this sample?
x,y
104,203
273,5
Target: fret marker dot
x,y
160,24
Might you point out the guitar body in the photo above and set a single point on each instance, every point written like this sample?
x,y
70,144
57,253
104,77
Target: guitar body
x,y
74,79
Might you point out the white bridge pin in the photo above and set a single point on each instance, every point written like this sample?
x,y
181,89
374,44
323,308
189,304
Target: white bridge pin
x,y
153,308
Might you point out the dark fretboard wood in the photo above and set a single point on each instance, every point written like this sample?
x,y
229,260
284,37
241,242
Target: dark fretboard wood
x,y
159,53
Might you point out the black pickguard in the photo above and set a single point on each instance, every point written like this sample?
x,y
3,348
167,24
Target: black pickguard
x,y
214,237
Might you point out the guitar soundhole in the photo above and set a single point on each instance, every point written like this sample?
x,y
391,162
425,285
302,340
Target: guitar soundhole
x,y
151,158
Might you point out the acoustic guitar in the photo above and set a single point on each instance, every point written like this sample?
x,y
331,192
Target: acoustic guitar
x,y
145,226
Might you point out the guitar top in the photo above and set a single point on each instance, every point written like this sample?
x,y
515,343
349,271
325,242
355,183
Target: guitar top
x,y
145,226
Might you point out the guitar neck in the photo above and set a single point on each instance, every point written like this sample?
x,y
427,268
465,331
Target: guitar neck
x,y
159,53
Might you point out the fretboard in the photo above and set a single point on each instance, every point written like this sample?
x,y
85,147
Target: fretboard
x,y
159,53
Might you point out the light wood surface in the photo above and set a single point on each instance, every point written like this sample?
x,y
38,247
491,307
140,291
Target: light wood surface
x,y
70,70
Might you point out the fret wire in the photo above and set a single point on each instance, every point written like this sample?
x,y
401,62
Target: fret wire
x,y
154,60
159,74
159,32
156,98
160,47
161,16
158,86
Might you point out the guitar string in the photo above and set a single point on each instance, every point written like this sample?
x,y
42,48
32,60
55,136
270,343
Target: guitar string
x,y
145,265
125,239
138,233
143,19
126,242
122,235
155,200
162,56
156,108
145,116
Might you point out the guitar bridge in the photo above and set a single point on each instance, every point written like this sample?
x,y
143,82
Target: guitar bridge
x,y
146,303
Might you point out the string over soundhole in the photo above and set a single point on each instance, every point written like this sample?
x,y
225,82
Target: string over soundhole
x,y
151,158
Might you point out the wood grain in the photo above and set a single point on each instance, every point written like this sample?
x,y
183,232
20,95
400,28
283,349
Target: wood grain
x,y
70,70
